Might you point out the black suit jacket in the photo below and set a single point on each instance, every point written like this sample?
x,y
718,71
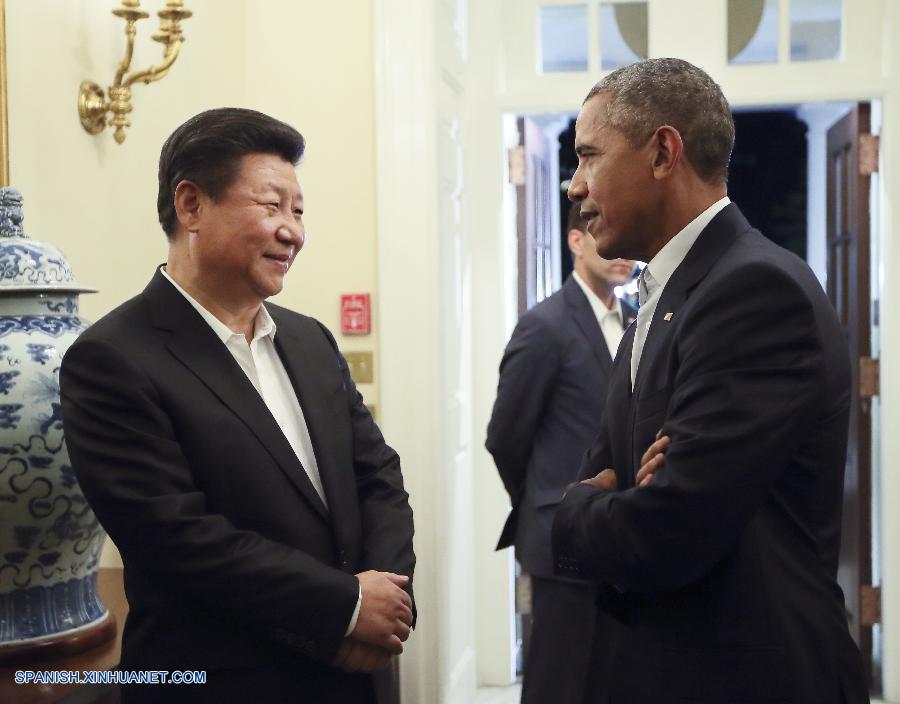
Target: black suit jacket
x,y
552,388
722,572
231,558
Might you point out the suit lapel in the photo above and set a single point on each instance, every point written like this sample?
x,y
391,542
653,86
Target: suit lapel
x,y
305,364
673,296
586,321
196,346
715,238
619,407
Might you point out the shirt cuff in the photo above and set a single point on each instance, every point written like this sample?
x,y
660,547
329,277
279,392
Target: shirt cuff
x,y
355,617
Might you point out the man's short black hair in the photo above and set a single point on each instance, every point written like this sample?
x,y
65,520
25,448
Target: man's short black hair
x,y
655,92
207,149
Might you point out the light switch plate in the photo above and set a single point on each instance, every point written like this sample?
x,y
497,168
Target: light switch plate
x,y
361,367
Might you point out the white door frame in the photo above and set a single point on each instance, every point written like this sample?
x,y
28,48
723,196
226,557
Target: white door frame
x,y
424,308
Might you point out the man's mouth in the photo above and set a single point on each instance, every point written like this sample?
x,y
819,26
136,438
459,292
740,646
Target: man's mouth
x,y
282,259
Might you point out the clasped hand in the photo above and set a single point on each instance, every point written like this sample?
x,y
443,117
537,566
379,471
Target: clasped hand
x,y
384,623
651,461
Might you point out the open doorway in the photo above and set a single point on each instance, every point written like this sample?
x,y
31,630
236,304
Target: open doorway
x,y
779,178
775,204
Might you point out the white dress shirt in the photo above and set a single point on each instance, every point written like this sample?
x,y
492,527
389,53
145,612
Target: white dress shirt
x,y
658,272
609,319
259,360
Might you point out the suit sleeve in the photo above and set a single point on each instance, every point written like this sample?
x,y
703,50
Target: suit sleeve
x,y
387,518
599,456
528,373
133,472
745,392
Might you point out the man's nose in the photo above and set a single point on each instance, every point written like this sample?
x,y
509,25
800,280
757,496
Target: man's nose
x,y
292,232
577,190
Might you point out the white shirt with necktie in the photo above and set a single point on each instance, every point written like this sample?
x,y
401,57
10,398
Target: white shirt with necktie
x,y
659,270
610,320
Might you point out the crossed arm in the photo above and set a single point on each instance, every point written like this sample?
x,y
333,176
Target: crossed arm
x,y
747,388
651,461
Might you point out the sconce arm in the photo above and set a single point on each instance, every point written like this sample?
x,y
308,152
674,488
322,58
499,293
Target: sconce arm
x,y
154,73
130,32
93,105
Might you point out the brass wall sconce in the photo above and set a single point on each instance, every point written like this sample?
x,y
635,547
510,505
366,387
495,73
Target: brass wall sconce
x,y
92,102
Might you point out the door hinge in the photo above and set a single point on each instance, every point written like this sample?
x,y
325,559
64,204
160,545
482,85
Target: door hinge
x,y
869,605
868,154
869,377
517,165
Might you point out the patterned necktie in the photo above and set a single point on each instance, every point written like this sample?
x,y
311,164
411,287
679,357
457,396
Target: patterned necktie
x,y
647,286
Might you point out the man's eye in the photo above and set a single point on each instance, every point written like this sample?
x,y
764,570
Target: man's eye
x,y
298,213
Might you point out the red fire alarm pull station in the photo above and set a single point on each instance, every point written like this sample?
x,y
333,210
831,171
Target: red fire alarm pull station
x,y
356,314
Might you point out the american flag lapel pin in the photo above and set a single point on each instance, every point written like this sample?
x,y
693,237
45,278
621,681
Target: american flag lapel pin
x,y
668,316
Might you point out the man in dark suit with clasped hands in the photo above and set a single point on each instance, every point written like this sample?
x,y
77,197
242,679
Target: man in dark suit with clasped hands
x,y
262,521
710,504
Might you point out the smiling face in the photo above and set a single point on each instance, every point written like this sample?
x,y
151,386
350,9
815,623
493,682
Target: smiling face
x,y
244,242
615,185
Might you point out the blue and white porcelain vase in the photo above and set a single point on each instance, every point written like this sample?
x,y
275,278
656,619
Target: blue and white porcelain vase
x,y
50,540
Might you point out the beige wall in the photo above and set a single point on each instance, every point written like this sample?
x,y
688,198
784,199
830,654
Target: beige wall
x,y
94,199
311,64
306,62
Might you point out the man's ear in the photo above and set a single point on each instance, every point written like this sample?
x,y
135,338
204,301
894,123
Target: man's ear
x,y
575,242
666,150
188,199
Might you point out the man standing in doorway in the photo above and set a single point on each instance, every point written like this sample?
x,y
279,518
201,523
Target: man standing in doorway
x,y
717,549
553,381
261,517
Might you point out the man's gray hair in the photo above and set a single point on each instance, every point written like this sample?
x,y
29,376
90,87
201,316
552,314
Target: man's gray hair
x,y
646,95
